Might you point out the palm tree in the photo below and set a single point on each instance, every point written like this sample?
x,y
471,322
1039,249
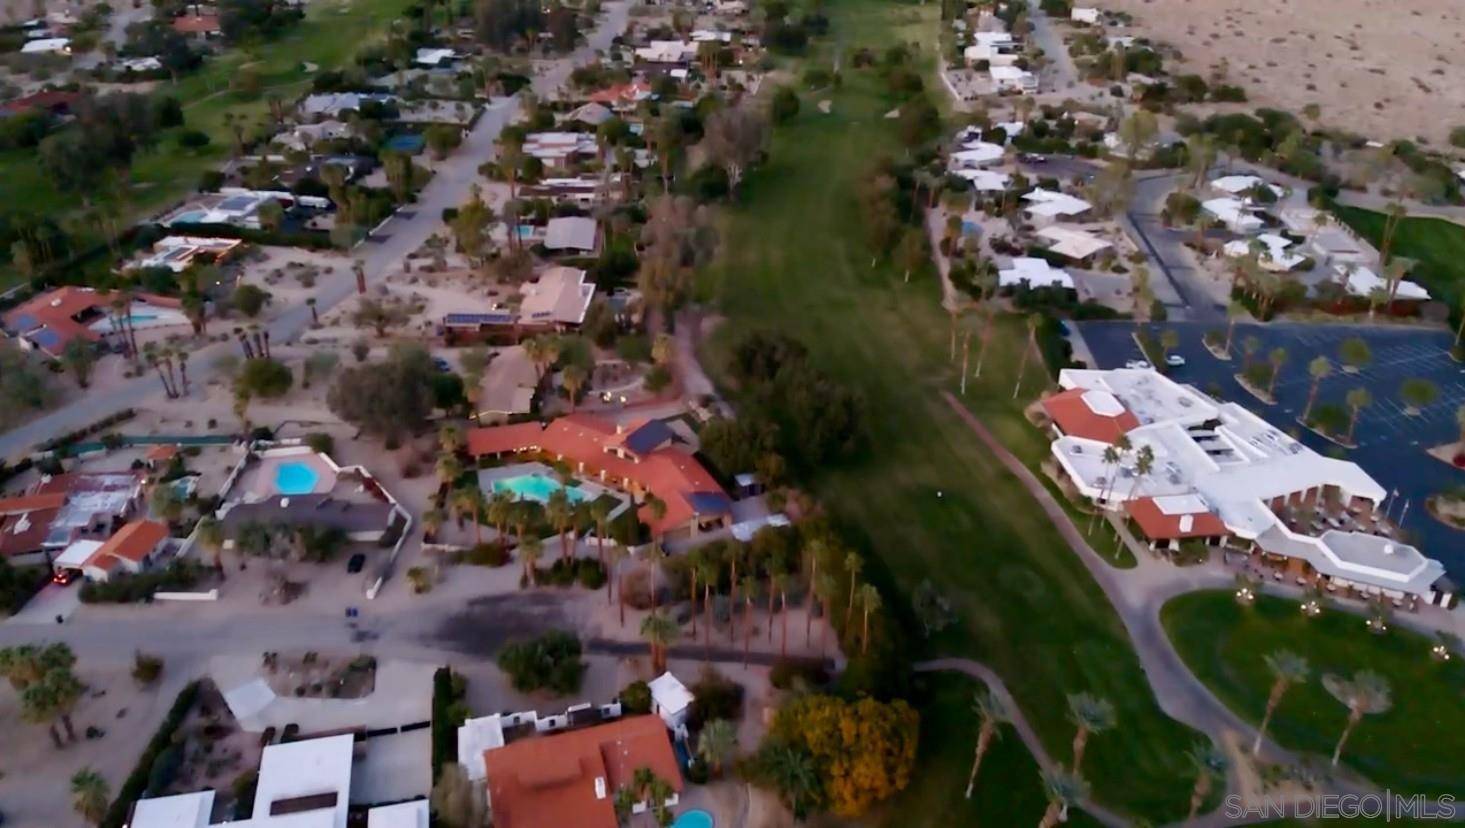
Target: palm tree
x,y
708,570
501,509
992,713
52,698
1112,460
617,554
1063,789
825,588
1144,463
450,438
1417,393
449,468
211,536
811,554
694,569
1287,668
655,556
531,549
432,522
734,555
1209,764
780,585
1367,693
716,743
1460,421
1033,320
1090,714
750,586
469,501
1249,346
557,509
1277,357
869,602
574,377
792,772
90,795
1357,400
600,514
853,563
660,632
1319,368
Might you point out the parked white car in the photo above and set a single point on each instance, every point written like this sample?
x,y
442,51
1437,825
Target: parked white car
x,y
1138,364
1175,360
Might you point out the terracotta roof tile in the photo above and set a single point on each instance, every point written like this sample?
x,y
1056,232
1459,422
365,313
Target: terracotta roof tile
x,y
1160,525
1076,417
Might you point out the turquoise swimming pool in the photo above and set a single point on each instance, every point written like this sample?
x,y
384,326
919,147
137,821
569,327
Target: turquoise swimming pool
x,y
536,487
295,478
693,819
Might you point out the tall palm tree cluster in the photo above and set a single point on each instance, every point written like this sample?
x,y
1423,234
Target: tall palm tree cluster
x,y
763,574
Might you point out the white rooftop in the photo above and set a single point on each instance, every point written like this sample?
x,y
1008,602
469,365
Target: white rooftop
x,y
1234,213
1034,272
475,736
434,57
1073,242
985,181
412,814
308,768
670,695
190,810
1222,458
570,233
1239,184
78,553
1362,281
976,154
1274,253
1051,203
560,295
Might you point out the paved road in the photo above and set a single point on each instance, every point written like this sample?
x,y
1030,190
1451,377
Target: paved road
x,y
1063,74
380,255
1176,278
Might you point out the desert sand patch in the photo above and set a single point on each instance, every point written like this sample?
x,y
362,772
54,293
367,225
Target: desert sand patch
x,y
1385,69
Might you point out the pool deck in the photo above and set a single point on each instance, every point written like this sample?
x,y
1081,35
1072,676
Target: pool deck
x,y
260,480
591,490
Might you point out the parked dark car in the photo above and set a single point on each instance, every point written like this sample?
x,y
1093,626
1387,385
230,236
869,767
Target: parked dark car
x,y
63,577
357,562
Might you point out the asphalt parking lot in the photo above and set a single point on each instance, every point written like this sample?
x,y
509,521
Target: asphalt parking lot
x,y
1392,444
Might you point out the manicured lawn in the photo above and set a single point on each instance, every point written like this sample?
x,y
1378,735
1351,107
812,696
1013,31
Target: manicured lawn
x,y
332,32
926,499
1416,747
1437,245
1009,790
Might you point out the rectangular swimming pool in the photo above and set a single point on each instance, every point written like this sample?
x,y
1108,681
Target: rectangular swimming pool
x,y
536,487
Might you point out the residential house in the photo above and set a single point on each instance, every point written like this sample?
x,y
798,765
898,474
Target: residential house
x,y
559,151
1084,14
198,25
1235,214
1046,207
1013,79
576,234
131,549
50,321
1273,252
25,521
640,458
1073,243
1361,281
179,253
555,302
1034,273
671,700
47,46
996,48
301,784
571,778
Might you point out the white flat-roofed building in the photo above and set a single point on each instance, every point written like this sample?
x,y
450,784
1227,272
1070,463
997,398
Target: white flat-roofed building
x,y
997,48
557,149
1013,79
1220,471
1047,207
191,810
1234,213
1072,242
1363,281
47,46
1084,14
414,814
1273,253
560,297
1033,272
571,233
972,154
985,181
670,699
476,737
1239,185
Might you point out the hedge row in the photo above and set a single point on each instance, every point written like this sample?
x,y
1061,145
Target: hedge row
x,y
100,425
444,730
137,781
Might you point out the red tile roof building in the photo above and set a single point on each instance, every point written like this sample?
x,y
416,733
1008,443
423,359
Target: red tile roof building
x,y
197,24
1174,518
130,548
638,458
570,779
1089,413
52,319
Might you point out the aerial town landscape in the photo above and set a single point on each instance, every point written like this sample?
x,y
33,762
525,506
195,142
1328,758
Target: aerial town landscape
x,y
736,413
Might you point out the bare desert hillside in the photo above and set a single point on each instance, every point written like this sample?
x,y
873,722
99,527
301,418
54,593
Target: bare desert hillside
x,y
1382,68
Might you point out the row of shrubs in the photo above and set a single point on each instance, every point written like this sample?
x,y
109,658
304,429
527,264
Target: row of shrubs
x,y
448,712
587,572
138,782
131,589
100,425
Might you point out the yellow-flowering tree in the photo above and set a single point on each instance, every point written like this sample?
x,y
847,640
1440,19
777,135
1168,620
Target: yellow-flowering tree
x,y
862,751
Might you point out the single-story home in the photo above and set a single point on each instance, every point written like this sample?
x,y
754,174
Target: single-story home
x,y
1359,280
671,700
1274,252
1073,243
1047,207
1234,213
130,550
1033,272
574,233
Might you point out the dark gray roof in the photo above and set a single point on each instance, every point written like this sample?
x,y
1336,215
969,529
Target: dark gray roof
x,y
645,439
314,509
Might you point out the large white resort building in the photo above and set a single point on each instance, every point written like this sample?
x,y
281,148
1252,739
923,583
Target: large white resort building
x,y
1222,475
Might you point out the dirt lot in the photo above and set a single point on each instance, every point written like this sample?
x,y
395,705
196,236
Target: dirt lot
x,y
1383,68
